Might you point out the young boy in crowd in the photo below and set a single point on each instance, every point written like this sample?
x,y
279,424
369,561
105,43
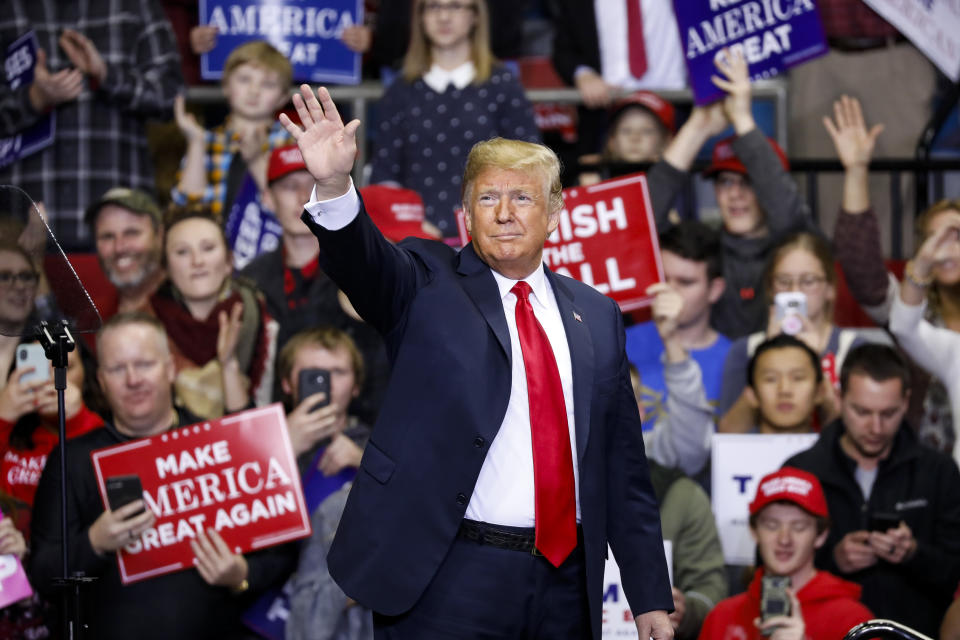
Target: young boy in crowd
x,y
784,377
321,419
227,165
789,521
678,355
641,125
758,200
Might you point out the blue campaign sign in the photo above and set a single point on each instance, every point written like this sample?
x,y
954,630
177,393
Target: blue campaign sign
x,y
306,31
18,63
774,35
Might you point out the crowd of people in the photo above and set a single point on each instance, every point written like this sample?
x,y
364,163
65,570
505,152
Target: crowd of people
x,y
218,301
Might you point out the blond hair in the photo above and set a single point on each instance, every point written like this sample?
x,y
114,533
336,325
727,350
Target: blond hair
x,y
922,231
324,337
417,61
259,53
514,155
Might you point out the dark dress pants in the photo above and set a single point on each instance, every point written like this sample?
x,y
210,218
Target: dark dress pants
x,y
485,592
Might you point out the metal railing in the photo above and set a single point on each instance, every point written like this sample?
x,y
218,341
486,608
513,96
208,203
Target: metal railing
x,y
883,629
359,97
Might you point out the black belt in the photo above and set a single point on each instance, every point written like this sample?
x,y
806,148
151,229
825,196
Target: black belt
x,y
511,539
853,45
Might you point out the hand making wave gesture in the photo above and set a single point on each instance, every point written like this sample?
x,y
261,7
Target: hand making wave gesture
x,y
328,146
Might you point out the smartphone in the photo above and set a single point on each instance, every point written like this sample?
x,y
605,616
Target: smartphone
x,y
122,490
313,381
32,355
882,521
774,599
791,306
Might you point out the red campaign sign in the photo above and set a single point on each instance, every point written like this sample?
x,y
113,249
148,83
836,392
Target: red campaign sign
x,y
237,475
607,238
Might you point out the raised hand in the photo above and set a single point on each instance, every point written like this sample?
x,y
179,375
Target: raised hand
x,y
83,54
943,244
342,452
308,426
50,89
229,332
848,130
357,38
186,121
328,146
203,38
736,82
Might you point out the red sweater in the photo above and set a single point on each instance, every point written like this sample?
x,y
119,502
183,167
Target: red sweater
x,y
20,468
830,606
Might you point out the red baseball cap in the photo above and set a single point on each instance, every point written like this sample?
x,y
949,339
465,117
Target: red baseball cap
x,y
724,158
793,485
398,213
650,101
284,160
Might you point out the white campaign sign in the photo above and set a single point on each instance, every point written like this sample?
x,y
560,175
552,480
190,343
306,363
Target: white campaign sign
x,y
738,462
617,618
932,25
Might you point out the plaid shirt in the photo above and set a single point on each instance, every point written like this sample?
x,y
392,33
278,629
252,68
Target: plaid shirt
x,y
221,147
853,19
100,139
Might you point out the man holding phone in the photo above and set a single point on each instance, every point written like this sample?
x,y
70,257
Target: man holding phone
x,y
895,503
136,373
788,598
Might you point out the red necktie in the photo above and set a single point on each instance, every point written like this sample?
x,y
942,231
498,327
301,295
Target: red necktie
x,y
556,504
638,51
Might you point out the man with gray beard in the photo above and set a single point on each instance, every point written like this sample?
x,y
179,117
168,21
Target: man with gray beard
x,y
127,226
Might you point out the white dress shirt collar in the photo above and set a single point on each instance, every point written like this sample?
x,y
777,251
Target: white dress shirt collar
x,y
439,79
537,281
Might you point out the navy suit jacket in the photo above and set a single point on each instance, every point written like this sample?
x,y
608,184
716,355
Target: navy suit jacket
x,y
446,333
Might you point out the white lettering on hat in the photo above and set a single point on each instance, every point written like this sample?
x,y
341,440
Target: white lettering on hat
x,y
787,484
291,156
407,211
724,150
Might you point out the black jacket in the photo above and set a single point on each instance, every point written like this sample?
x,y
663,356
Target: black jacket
x,y
176,605
322,308
922,487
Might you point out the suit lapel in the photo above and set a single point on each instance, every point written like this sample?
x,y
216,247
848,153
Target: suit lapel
x,y
581,359
482,288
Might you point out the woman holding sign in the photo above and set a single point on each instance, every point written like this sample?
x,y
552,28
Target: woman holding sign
x,y
452,95
221,335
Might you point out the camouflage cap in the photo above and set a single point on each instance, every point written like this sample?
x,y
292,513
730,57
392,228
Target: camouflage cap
x,y
133,199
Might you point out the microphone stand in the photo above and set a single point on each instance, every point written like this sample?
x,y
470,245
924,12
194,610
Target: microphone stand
x,y
58,342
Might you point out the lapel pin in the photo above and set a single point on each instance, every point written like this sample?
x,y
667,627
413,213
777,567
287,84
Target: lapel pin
x,y
576,316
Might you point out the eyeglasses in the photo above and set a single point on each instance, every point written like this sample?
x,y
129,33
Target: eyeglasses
x,y
803,282
453,7
25,278
730,181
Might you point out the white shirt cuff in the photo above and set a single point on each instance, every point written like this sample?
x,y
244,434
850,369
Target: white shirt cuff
x,y
334,214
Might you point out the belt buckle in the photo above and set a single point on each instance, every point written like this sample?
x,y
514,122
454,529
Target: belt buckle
x,y
535,552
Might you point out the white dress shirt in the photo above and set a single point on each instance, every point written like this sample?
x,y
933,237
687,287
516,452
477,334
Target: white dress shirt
x,y
665,62
504,493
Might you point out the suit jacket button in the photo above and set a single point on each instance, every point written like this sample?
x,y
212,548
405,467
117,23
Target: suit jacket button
x,y
461,499
479,442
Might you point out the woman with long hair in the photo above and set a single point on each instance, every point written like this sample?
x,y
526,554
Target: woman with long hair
x,y
452,94
221,336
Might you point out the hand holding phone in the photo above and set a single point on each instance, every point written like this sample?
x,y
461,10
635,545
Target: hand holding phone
x,y
313,381
791,309
31,355
122,490
774,599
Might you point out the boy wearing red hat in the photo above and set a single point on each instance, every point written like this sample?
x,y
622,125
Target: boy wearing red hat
x,y
789,521
758,200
